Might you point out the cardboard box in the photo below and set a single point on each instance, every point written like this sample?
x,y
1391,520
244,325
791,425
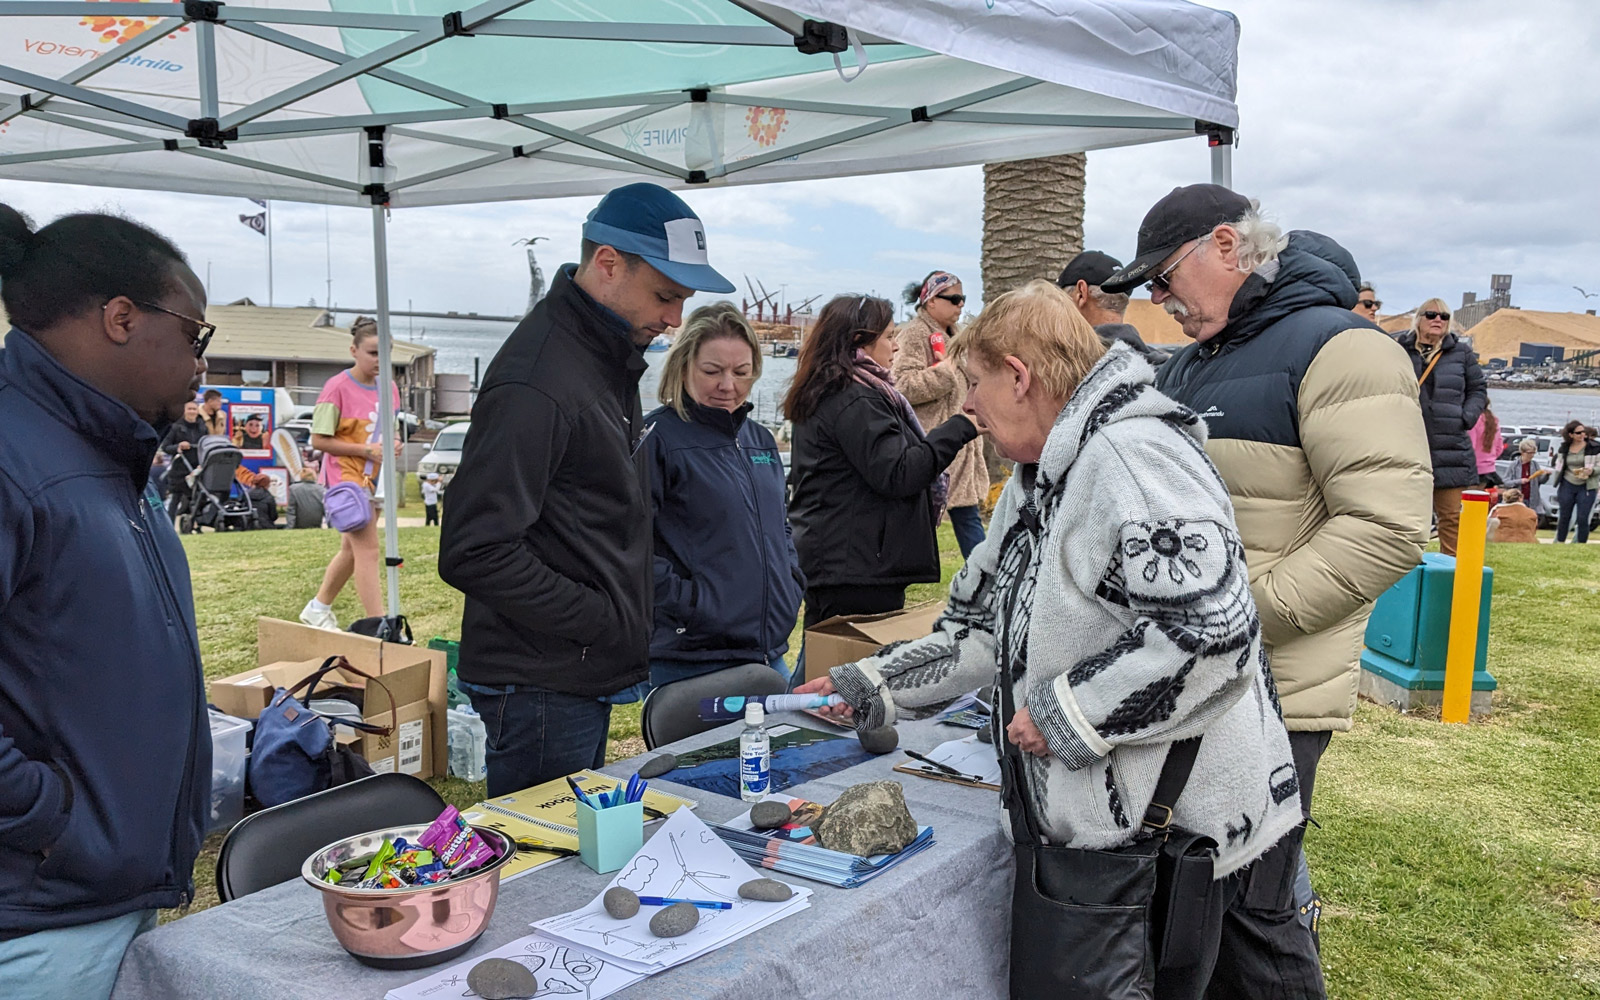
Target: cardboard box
x,y
408,749
280,640
847,638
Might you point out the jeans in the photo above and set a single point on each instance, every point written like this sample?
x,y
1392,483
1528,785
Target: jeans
x,y
967,523
70,963
536,735
1573,502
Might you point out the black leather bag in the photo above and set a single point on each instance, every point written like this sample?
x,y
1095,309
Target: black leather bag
x,y
389,628
1105,924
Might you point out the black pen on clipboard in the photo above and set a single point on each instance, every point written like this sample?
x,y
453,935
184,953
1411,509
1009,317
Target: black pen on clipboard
x,y
946,768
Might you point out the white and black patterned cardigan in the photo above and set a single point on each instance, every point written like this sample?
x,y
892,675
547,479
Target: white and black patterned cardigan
x,y
1114,568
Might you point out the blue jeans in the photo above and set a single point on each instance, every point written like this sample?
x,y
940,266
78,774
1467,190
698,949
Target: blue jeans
x,y
71,963
968,525
1573,501
536,735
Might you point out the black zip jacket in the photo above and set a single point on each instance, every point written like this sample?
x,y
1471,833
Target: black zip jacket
x,y
1453,397
183,462
548,527
860,505
728,582
105,752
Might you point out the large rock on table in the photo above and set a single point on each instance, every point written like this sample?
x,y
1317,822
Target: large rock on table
x,y
868,819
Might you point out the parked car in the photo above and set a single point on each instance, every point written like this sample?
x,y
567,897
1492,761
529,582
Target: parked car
x,y
445,454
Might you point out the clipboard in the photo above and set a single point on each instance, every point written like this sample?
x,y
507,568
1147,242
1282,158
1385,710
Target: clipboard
x,y
923,771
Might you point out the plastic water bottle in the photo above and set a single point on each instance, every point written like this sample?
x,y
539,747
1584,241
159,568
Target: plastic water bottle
x,y
466,730
755,755
478,736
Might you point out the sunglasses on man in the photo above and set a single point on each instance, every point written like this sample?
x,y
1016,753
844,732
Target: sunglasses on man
x,y
1161,281
1371,303
955,300
1433,314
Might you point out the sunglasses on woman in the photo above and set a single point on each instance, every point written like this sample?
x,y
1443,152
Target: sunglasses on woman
x,y
1433,314
955,300
1371,303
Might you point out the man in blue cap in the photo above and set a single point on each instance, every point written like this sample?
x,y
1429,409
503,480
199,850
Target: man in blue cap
x,y
548,528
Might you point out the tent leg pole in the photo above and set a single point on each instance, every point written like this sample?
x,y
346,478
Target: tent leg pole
x,y
1222,164
386,415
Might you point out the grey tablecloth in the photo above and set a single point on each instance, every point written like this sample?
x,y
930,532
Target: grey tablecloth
x,y
936,926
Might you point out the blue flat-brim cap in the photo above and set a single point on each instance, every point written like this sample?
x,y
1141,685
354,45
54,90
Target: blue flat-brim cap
x,y
648,220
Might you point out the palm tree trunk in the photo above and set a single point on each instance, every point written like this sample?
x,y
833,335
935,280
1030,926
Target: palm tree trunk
x,y
1032,220
1032,225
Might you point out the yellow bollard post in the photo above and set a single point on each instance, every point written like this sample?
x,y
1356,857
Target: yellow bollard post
x,y
1465,607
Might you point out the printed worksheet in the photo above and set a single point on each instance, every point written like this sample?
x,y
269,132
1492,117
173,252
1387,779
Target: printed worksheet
x,y
561,970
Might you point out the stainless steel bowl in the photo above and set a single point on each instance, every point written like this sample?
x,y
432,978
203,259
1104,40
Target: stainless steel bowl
x,y
414,927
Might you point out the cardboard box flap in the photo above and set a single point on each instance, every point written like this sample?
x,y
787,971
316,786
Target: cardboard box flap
x,y
911,623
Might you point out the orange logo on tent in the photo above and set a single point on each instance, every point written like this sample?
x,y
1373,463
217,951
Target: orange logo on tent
x,y
766,124
121,29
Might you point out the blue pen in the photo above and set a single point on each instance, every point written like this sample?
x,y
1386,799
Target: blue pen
x,y
633,788
704,904
577,790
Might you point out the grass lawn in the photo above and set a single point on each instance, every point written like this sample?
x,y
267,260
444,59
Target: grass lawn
x,y
1454,861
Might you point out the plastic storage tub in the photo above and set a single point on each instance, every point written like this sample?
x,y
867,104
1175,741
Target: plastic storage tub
x,y
227,770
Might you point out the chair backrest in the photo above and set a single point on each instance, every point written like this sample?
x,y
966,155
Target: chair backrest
x,y
269,847
672,711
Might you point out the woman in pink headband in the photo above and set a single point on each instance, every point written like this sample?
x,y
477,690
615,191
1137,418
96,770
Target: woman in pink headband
x,y
936,388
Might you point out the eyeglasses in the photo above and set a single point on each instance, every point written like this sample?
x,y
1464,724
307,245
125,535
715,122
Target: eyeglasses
x,y
1370,303
1432,314
1161,280
955,300
198,340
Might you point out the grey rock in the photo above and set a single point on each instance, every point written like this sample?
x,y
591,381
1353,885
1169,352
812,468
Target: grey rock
x,y
880,740
675,921
502,979
766,890
658,765
769,815
868,819
985,735
620,903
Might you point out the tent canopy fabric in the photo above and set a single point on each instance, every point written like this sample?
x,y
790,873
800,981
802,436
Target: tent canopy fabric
x,y
519,99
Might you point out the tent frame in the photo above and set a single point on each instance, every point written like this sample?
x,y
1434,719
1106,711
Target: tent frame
x,y
210,134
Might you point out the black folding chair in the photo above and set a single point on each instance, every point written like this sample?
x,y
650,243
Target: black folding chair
x,y
672,711
269,847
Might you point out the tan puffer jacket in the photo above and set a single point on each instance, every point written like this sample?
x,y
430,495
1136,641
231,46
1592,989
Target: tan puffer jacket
x,y
1316,429
936,395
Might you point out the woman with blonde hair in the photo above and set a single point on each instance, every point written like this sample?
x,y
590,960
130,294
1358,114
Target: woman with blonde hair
x,y
935,388
1454,395
1111,607
727,580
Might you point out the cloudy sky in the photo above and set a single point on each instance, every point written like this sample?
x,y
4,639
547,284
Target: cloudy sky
x,y
1439,140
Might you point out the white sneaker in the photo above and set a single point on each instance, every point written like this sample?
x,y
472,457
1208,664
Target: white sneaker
x,y
319,617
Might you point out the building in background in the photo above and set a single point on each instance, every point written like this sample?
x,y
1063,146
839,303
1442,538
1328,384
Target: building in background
x,y
1474,310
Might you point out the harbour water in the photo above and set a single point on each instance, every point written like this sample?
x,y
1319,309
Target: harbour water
x,y
458,342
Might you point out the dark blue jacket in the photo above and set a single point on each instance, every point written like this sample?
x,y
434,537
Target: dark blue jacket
x,y
728,582
105,751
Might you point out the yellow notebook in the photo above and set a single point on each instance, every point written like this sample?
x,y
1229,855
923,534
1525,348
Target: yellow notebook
x,y
552,804
527,834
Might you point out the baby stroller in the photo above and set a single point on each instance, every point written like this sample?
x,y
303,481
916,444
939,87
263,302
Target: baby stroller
x,y
213,501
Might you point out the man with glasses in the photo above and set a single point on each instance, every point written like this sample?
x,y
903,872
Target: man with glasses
x,y
1315,428
105,750
1104,310
1367,302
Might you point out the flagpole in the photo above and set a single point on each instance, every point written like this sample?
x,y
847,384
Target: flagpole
x,y
269,252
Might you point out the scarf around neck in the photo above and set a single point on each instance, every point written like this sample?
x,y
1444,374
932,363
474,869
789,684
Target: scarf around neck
x,y
869,373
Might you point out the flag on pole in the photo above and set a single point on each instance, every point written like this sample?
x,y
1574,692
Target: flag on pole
x,y
258,222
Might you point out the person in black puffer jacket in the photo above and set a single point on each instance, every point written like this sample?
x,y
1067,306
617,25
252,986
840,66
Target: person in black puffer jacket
x,y
866,483
727,579
1454,394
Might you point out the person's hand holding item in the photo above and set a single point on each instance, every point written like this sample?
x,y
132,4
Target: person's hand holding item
x,y
183,446
824,686
1026,735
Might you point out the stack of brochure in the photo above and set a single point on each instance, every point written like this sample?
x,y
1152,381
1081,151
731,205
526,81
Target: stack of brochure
x,y
793,849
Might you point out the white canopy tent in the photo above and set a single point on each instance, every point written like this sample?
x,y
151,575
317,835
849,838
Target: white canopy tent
x,y
395,103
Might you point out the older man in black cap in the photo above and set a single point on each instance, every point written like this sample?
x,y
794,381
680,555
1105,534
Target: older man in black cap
x,y
1104,310
1315,427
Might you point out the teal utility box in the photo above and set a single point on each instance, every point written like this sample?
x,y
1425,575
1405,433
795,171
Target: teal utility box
x,y
1409,634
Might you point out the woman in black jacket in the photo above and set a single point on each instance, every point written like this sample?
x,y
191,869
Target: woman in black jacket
x,y
1453,394
866,482
727,580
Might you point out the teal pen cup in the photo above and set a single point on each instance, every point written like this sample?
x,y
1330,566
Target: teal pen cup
x,y
607,838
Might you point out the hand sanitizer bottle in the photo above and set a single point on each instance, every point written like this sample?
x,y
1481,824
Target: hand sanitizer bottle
x,y
755,755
